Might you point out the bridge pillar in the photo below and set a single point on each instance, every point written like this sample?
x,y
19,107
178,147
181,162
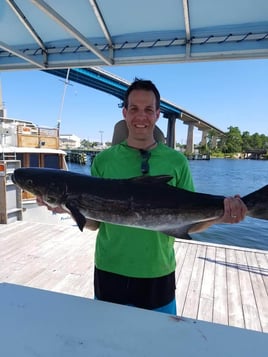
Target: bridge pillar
x,y
171,131
204,137
190,139
214,141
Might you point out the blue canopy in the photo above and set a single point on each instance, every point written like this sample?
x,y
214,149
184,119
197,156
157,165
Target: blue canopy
x,y
37,34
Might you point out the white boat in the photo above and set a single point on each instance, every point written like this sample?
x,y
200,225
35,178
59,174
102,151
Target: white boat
x,y
32,146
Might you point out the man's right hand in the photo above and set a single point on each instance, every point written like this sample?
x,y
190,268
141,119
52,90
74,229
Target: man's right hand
x,y
58,209
90,223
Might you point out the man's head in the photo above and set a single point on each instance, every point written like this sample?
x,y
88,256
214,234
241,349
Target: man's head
x,y
141,84
141,110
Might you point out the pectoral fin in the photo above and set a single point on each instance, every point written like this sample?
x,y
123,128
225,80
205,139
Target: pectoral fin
x,y
181,232
77,215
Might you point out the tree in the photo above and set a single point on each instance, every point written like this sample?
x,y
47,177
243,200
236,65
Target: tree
x,y
256,141
85,144
246,141
211,139
233,142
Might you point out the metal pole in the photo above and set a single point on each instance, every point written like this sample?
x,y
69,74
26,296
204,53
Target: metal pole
x,y
66,82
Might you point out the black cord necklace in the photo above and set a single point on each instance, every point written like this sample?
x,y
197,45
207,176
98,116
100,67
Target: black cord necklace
x,y
145,149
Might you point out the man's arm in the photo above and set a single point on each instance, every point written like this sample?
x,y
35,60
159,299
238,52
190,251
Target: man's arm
x,y
92,225
234,211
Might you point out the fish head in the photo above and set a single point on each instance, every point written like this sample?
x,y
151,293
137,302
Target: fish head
x,y
45,183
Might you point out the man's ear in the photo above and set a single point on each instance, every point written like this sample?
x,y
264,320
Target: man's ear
x,y
124,111
157,114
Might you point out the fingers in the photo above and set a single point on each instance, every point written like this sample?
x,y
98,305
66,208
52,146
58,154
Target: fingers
x,y
40,201
57,209
234,210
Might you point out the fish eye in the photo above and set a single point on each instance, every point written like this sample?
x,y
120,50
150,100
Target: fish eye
x,y
29,182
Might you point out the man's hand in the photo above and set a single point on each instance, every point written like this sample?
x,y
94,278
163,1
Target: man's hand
x,y
90,223
234,210
57,209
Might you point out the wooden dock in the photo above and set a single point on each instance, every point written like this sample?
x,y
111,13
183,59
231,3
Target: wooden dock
x,y
221,284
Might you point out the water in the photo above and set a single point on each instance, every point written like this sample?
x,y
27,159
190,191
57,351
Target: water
x,y
227,177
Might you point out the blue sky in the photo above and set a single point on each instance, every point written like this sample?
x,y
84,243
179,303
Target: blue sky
x,y
224,93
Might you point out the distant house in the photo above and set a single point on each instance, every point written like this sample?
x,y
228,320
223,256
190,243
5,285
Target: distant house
x,y
69,141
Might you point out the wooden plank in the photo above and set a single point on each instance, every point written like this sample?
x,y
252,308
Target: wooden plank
x,y
235,310
205,311
262,260
180,248
259,289
220,308
248,299
191,305
184,278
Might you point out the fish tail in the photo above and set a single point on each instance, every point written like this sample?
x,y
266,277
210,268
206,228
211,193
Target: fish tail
x,y
257,203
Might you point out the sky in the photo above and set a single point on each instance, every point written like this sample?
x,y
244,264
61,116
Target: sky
x,y
223,93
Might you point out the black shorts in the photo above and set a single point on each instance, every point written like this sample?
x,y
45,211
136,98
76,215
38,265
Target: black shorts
x,y
147,293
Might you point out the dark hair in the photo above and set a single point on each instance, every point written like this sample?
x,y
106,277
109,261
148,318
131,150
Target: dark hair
x,y
142,84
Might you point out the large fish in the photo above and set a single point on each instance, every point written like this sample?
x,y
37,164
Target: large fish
x,y
147,202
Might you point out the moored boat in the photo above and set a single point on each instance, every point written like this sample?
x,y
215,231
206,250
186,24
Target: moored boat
x,y
30,145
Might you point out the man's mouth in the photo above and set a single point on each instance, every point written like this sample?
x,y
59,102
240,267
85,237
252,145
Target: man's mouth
x,y
140,126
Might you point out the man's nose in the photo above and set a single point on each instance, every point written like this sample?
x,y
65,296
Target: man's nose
x,y
141,112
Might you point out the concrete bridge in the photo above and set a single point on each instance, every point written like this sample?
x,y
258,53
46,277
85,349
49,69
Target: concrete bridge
x,y
102,80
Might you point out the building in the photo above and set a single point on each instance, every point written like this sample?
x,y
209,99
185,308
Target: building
x,y
69,141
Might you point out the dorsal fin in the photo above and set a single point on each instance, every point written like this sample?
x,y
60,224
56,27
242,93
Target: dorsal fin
x,y
160,179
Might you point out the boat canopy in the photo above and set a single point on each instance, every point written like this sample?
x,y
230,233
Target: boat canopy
x,y
53,34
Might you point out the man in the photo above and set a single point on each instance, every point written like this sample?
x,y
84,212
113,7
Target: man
x,y
136,266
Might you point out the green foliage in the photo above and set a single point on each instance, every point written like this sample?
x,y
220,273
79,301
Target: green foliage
x,y
237,142
85,144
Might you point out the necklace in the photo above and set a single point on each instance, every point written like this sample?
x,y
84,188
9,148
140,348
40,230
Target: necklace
x,y
145,149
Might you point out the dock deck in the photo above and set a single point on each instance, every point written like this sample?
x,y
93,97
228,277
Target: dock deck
x,y
215,283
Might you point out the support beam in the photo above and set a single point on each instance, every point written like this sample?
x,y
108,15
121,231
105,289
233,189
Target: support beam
x,y
214,141
190,139
43,6
171,132
204,137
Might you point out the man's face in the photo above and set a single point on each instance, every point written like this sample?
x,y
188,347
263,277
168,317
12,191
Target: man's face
x,y
141,114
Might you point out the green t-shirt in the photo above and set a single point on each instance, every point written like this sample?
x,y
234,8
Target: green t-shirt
x,y
136,252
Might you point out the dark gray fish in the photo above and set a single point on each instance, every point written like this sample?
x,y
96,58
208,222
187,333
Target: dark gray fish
x,y
147,202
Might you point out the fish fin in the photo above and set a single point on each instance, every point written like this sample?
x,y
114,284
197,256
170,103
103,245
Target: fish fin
x,y
77,215
181,232
152,179
256,203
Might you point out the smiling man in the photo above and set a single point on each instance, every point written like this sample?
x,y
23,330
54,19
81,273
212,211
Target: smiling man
x,y
135,266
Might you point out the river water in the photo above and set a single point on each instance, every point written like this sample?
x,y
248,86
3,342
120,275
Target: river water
x,y
227,177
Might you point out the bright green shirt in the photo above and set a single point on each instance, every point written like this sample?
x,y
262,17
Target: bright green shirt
x,y
136,252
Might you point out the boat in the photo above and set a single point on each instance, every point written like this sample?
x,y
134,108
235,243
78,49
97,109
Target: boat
x,y
25,144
